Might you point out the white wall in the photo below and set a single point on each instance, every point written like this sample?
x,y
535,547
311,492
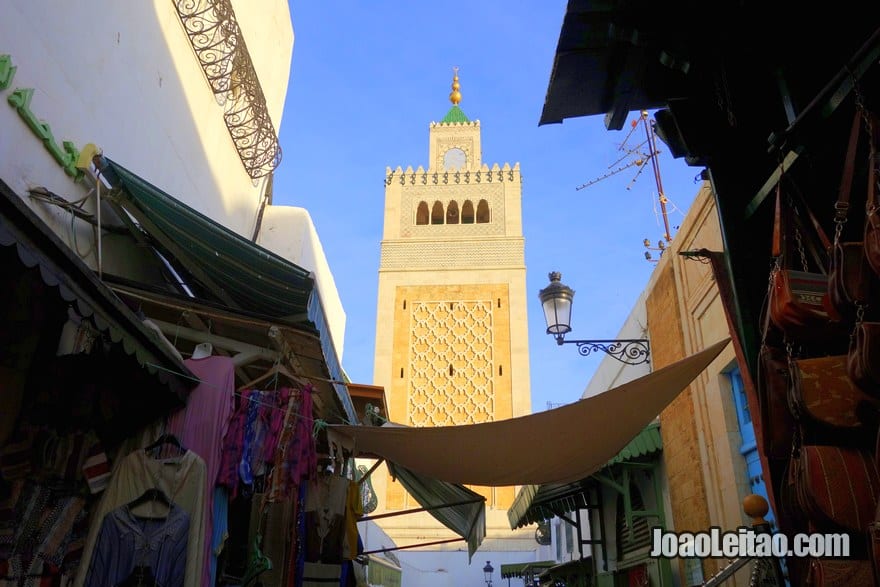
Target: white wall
x,y
268,33
290,232
123,75
610,373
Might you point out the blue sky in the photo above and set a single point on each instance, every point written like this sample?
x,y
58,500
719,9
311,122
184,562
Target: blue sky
x,y
366,80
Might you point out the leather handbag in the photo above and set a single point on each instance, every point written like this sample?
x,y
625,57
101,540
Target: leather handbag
x,y
797,303
837,488
850,280
823,398
863,358
777,423
850,277
874,550
826,572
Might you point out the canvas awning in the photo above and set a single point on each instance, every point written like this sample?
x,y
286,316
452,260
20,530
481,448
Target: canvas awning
x,y
239,272
458,508
234,271
562,445
535,503
37,246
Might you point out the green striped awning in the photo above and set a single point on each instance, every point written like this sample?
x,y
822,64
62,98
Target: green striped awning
x,y
535,503
228,268
241,273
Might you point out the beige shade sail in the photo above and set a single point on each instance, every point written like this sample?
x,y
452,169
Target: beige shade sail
x,y
556,446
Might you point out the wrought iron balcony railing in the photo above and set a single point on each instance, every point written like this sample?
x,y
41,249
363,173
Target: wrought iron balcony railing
x,y
222,52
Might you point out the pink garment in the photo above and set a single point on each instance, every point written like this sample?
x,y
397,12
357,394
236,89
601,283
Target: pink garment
x,y
202,425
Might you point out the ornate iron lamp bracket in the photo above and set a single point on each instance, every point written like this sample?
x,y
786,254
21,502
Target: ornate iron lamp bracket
x,y
631,351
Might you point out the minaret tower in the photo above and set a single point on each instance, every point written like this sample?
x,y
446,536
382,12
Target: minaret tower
x,y
451,328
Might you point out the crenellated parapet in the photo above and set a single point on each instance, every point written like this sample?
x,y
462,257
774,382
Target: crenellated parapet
x,y
462,124
483,175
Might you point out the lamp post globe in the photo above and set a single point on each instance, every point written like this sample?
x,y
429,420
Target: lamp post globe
x,y
487,571
556,299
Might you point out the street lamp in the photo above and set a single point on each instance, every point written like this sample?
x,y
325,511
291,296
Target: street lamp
x,y
487,570
557,300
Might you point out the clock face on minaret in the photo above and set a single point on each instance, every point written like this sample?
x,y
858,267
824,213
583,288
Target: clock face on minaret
x,y
454,159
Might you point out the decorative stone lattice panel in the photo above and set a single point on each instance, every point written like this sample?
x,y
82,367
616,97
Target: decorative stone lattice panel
x,y
493,194
459,254
451,363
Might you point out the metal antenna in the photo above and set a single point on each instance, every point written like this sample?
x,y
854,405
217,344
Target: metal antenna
x,y
639,159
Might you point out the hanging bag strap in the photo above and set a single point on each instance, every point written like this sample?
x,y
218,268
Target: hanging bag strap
x,y
873,130
841,207
776,245
789,223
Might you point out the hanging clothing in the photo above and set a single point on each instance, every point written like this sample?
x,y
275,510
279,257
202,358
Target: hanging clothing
x,y
354,509
181,478
269,428
41,526
221,528
296,458
233,446
127,542
325,518
201,427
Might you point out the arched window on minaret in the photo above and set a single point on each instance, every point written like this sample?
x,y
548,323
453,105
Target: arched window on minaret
x,y
437,213
452,213
482,212
467,212
422,214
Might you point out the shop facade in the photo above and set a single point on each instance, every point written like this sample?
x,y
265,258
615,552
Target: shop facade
x,y
783,131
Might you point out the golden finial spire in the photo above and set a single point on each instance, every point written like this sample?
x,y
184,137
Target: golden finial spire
x,y
455,96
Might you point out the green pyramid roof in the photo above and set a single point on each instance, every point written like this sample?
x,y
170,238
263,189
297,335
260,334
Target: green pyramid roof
x,y
455,114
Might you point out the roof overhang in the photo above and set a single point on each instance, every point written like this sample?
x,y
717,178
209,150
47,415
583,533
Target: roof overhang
x,y
255,343
40,248
614,57
369,401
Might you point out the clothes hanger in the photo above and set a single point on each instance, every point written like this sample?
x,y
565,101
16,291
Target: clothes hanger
x,y
275,371
151,494
166,439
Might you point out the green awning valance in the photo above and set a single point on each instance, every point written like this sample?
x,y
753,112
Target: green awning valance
x,y
573,573
518,570
535,503
381,571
